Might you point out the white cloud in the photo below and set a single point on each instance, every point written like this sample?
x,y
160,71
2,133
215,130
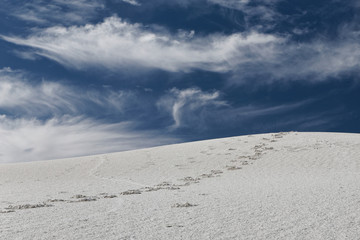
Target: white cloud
x,y
116,44
47,120
187,103
19,95
239,4
55,11
39,98
30,139
263,8
132,2
315,61
200,111
260,9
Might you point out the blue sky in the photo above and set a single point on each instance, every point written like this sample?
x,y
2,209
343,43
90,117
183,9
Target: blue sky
x,y
89,76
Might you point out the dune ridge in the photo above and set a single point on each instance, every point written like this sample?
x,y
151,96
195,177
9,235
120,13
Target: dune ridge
x,y
267,186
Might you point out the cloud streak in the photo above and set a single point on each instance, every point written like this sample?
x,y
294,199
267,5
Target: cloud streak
x,y
199,111
57,11
178,102
31,139
132,2
117,45
262,9
19,95
48,120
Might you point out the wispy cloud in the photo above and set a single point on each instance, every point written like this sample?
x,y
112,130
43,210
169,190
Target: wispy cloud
x,y
117,45
180,102
262,9
47,120
20,94
32,139
132,2
55,11
200,111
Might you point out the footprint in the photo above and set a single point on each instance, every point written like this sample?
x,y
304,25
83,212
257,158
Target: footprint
x,y
110,196
259,146
7,211
167,186
152,189
191,179
179,165
231,168
216,172
203,194
77,196
164,184
87,199
182,205
83,198
131,192
56,200
213,173
28,206
279,135
173,225
157,188
207,175
174,187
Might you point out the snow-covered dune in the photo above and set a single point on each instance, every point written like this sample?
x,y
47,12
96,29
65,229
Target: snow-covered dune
x,y
268,186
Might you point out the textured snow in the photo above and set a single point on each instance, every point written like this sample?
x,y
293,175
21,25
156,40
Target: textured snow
x,y
269,186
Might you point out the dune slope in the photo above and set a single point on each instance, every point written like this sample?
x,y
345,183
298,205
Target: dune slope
x,y
268,186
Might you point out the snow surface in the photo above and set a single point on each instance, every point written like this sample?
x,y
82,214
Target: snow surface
x,y
269,186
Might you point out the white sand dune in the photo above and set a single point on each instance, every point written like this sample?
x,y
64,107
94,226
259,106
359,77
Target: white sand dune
x,y
269,186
